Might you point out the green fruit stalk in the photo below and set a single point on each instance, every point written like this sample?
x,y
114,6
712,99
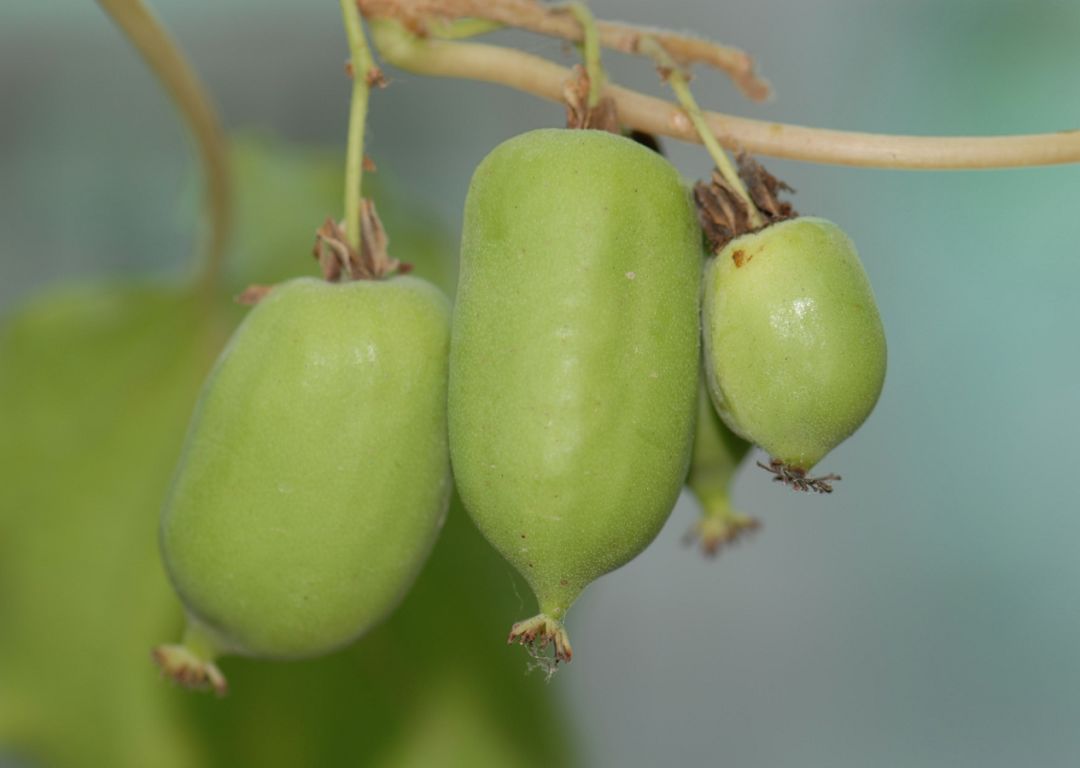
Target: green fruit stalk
x,y
794,346
574,359
315,475
716,457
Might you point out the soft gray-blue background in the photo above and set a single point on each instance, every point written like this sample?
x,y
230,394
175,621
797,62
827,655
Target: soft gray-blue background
x,y
926,614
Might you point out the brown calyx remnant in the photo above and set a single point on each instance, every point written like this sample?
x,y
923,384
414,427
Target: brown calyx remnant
x,y
536,634
340,262
602,117
715,533
183,667
796,478
722,211
253,294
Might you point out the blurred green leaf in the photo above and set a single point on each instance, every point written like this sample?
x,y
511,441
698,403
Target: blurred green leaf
x,y
96,385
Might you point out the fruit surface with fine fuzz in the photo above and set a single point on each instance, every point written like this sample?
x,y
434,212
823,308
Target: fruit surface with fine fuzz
x,y
315,474
574,355
794,346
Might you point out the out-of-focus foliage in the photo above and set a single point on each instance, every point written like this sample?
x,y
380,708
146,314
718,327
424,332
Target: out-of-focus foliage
x,y
96,385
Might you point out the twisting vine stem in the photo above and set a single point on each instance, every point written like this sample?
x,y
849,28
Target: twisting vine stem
x,y
534,16
395,23
164,57
676,78
364,73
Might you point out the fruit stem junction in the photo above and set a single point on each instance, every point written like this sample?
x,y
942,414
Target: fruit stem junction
x,y
365,74
680,85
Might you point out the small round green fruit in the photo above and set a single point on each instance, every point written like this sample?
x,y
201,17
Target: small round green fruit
x,y
315,475
794,346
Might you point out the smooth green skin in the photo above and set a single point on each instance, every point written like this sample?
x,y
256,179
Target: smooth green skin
x,y
315,475
716,457
77,688
794,346
574,354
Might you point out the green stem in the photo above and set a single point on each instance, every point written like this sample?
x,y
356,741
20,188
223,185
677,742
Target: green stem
x,y
164,57
362,68
677,79
591,44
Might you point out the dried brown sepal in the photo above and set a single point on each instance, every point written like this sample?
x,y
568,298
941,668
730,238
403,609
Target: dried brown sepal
x,y
765,189
376,78
183,667
253,294
797,479
723,213
340,262
603,117
535,635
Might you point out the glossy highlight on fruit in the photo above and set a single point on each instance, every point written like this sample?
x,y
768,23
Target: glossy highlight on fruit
x,y
574,358
315,474
794,346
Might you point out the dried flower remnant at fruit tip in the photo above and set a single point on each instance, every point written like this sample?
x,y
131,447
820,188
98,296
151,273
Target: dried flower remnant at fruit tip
x,y
797,479
184,668
535,635
715,533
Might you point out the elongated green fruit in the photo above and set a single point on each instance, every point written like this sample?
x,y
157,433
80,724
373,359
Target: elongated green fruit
x,y
717,454
794,347
574,358
315,475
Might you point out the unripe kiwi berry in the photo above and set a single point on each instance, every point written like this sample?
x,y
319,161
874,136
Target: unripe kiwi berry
x,y
574,360
315,475
794,346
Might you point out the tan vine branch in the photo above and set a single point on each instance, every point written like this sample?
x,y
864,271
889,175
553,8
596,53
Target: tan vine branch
x,y
164,57
543,78
554,22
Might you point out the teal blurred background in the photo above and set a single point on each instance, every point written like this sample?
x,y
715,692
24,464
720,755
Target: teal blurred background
x,y
925,614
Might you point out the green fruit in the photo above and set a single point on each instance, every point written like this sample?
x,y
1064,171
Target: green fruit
x,y
315,474
794,346
717,454
574,358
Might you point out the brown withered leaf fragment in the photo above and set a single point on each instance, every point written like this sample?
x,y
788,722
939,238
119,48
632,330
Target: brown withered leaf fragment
x,y
765,189
253,294
603,117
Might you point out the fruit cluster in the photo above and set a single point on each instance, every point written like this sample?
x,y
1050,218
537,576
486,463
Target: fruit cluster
x,y
563,389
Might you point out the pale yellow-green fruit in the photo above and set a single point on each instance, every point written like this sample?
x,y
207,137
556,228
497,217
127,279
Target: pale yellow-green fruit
x,y
574,359
315,475
794,346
